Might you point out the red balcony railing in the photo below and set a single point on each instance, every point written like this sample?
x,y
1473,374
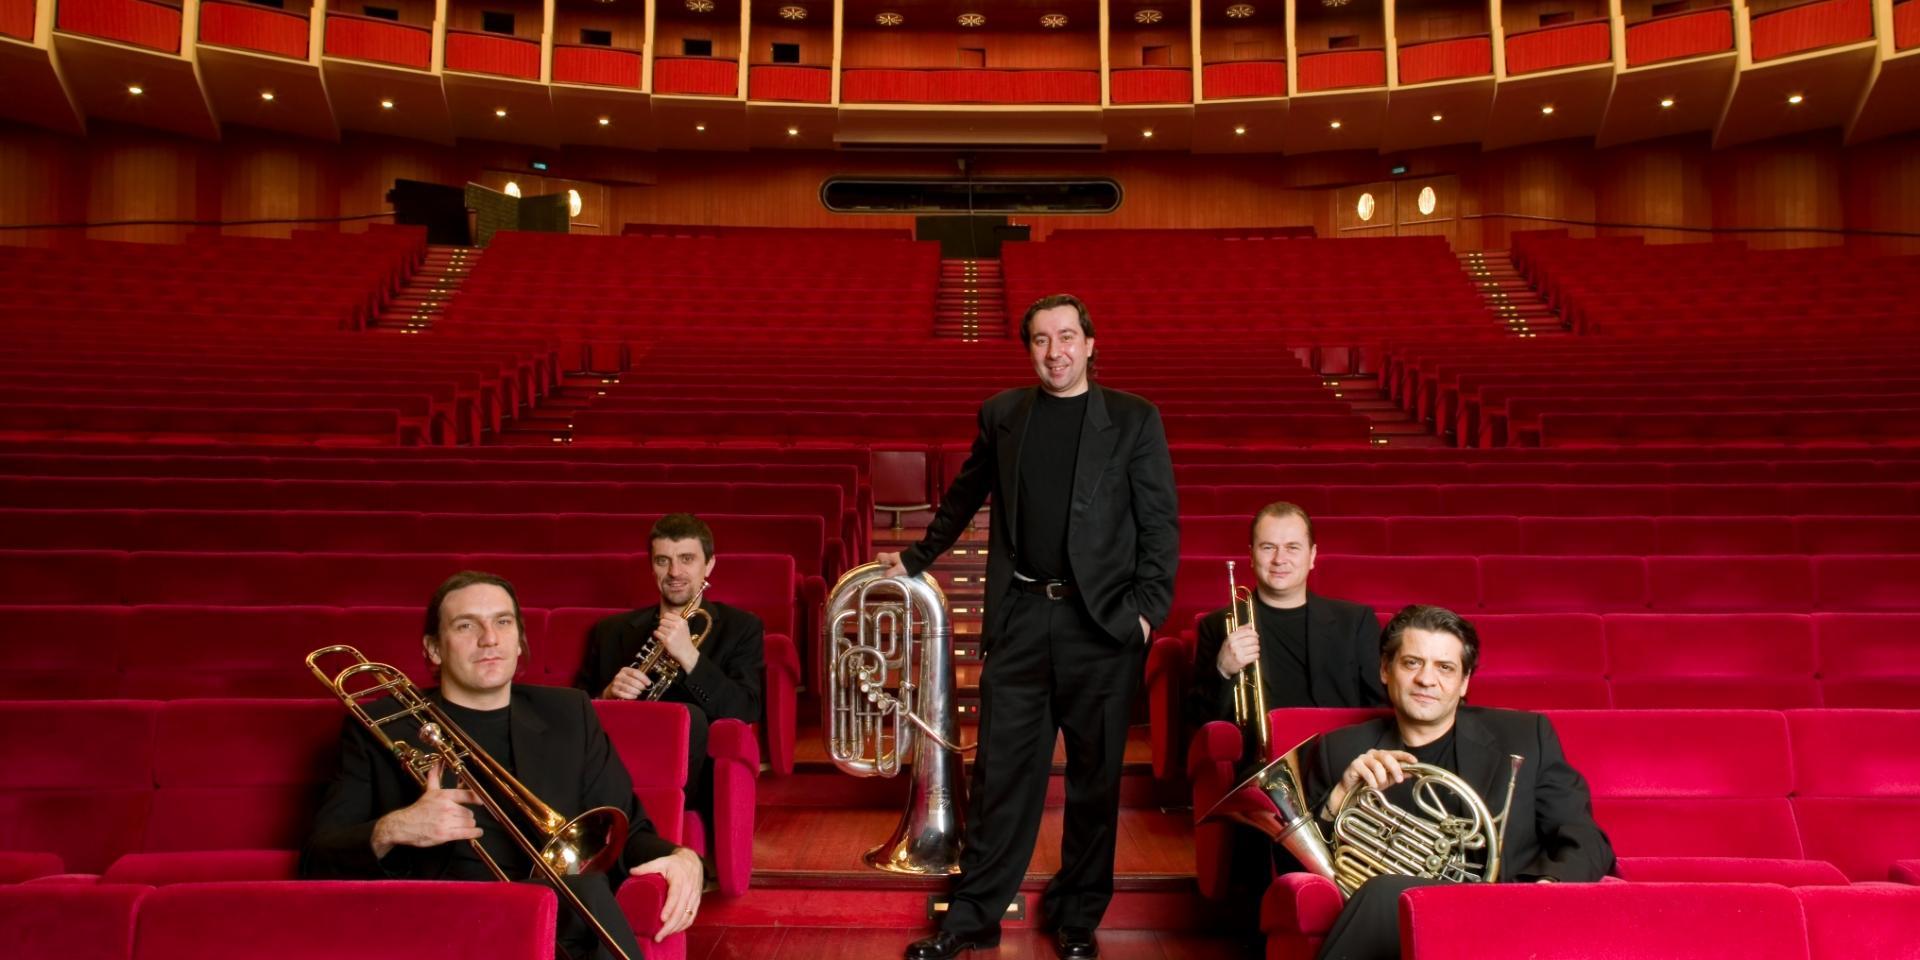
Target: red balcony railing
x,y
471,51
1243,78
1690,34
1151,85
139,22
792,83
382,41
1561,45
1340,69
1810,26
600,66
1447,59
250,26
16,18
941,85
703,76
1906,25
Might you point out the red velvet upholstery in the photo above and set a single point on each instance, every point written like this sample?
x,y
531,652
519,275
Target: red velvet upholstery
x,y
1536,661
1446,59
1651,920
16,18
651,739
793,84
1243,78
1763,661
1869,920
254,27
365,38
878,85
642,899
1858,796
1385,583
43,670
1868,659
1905,871
137,22
1151,85
1296,913
241,774
1563,583
75,778
600,66
1168,670
69,922
203,866
325,920
1791,873
735,752
1339,69
696,75
475,52
1689,34
1704,584
1566,45
18,866
1810,26
1867,583
1718,787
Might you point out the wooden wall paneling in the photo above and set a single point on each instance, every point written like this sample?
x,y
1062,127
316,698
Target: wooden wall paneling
x,y
1780,184
1417,21
1068,49
43,180
528,15
419,13
274,178
1552,180
1265,41
628,25
815,40
1518,15
720,27
1882,192
1126,43
132,177
1316,24
1442,222
1657,183
1347,204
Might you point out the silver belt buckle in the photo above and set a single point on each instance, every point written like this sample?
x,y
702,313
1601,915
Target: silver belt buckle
x,y
1053,585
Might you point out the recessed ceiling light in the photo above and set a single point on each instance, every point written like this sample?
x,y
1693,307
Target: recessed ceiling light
x,y
386,104
605,121
888,18
1335,124
500,111
793,131
135,89
1438,117
1666,102
1795,99
266,95
1147,133
1239,131
700,128
1547,110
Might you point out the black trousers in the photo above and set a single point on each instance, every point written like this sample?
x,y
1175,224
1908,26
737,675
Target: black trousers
x,y
699,765
1053,670
576,937
1368,927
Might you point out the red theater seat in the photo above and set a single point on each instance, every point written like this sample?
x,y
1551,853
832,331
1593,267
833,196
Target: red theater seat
x,y
1753,661
76,778
1705,584
1518,584
203,866
1792,873
1863,920
241,774
1867,582
1868,659
1533,661
1389,583
316,920
1858,794
1633,920
93,921
652,740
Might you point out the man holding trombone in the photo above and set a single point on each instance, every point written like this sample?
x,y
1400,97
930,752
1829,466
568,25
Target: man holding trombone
x,y
379,819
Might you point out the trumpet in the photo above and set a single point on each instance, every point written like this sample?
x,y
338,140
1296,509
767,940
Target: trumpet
x,y
1250,684
652,660
560,848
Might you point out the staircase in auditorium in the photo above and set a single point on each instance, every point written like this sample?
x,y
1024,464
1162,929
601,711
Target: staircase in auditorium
x,y
1511,299
969,290
424,297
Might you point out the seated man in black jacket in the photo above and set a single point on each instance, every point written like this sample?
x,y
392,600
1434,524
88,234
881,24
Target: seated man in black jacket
x,y
721,678
377,822
1428,655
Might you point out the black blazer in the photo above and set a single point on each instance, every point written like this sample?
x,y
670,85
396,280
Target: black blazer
x,y
1123,537
1343,660
560,752
1550,833
725,682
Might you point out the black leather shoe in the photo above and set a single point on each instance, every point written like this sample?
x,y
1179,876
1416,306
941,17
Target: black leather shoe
x,y
945,946
1076,943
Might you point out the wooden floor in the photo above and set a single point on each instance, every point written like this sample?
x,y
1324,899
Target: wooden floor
x,y
1151,842
833,943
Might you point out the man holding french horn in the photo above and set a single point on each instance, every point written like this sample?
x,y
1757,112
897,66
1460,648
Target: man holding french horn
x,y
1082,549
1536,806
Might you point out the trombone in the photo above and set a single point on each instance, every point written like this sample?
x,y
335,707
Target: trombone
x,y
1250,684
589,843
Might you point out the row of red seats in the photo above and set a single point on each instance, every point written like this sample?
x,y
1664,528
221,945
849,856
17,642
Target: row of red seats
x,y
207,776
798,427
1635,661
1506,410
1390,467
1850,427
1746,796
1570,536
161,425
1562,499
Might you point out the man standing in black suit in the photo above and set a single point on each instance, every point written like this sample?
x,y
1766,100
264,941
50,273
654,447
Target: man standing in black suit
x,y
1082,549
376,822
719,679
1428,656
1314,651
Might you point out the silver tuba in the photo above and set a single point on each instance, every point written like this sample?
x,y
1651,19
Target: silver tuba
x,y
887,660
1371,836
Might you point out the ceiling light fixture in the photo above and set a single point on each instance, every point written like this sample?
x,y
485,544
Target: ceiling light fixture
x,y
606,121
1795,99
793,11
1148,15
1239,131
700,128
1439,117
1335,124
793,131
1240,11
500,112
135,89
1547,110
1053,21
386,104
971,19
266,95
700,6
889,19
1666,103
1147,133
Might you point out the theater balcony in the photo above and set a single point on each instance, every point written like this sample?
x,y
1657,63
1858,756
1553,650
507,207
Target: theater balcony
x,y
1340,77
37,94
1679,65
381,70
1556,66
1441,52
261,68
598,73
126,60
1890,106
1803,65
494,71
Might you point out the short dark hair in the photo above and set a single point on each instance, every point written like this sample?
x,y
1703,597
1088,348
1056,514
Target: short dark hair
x,y
683,526
1422,616
1280,508
463,580
1048,303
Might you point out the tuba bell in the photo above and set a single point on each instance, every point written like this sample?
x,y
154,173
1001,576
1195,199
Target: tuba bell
x,y
559,847
887,659
1455,842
